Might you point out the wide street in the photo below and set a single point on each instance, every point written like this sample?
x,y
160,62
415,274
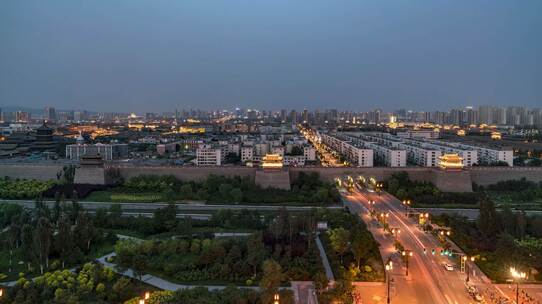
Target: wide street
x,y
428,280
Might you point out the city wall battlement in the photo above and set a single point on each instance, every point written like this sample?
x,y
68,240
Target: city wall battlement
x,y
446,181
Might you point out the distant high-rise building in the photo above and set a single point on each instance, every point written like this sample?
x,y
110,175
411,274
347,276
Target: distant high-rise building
x,y
305,116
283,115
293,116
21,116
49,114
471,116
485,114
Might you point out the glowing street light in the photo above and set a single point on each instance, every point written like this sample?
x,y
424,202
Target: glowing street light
x,y
147,295
464,260
517,276
276,299
395,231
407,254
389,268
384,217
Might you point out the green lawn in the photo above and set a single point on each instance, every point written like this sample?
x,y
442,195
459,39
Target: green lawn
x,y
501,199
109,196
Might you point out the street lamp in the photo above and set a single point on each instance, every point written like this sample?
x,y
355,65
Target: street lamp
x,y
517,276
383,217
465,260
1,292
389,267
276,299
395,231
407,254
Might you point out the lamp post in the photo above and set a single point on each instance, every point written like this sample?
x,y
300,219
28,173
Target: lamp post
x,y
424,218
407,254
406,203
389,267
517,276
384,217
467,270
395,232
372,204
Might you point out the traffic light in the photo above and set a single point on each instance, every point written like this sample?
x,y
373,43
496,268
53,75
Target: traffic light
x,y
424,251
433,252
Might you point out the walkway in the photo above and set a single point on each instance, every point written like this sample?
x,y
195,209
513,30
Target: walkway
x,y
325,261
157,281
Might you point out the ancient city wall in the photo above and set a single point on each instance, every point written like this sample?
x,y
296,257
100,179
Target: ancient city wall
x,y
187,173
31,171
491,175
446,181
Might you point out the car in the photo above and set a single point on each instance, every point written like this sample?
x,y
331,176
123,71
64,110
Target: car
x,y
449,267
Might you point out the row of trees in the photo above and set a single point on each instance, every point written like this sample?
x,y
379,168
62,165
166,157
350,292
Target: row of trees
x,y
425,193
65,233
230,295
22,188
352,250
500,239
287,239
91,284
308,188
513,191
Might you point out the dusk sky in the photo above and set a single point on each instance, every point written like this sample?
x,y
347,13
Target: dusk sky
x,y
148,55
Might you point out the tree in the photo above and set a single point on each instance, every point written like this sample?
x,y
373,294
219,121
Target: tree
x,y
271,279
64,239
360,248
487,220
320,282
42,242
69,174
166,218
256,251
186,191
236,195
521,222
27,238
340,239
84,231
13,240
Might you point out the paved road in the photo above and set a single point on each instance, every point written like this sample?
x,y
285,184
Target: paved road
x,y
149,207
428,281
471,214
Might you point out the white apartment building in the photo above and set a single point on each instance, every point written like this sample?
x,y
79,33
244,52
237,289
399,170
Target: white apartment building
x,y
247,153
294,160
309,152
489,155
390,156
208,155
468,154
356,154
261,148
277,150
106,151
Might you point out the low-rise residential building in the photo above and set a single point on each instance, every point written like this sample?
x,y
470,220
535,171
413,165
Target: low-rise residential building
x,y
309,152
209,155
106,151
355,153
